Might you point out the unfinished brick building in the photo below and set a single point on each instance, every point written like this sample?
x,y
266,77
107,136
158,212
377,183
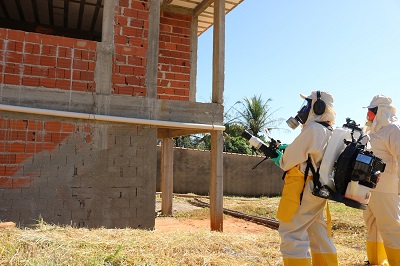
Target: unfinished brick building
x,y
87,87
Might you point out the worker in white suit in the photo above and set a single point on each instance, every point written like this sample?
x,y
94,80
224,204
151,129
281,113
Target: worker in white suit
x,y
302,226
382,216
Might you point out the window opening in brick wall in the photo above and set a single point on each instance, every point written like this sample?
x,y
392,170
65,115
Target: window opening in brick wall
x,y
80,19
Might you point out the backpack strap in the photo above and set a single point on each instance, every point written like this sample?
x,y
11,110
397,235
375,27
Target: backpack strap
x,y
317,183
325,124
284,175
305,178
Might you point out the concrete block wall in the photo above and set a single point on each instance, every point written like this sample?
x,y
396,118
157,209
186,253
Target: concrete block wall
x,y
66,176
192,171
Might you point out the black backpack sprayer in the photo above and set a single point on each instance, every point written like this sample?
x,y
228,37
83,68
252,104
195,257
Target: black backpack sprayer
x,y
347,172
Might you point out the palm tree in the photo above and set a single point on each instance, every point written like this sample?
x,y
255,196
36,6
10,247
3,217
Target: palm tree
x,y
254,116
233,141
233,127
257,115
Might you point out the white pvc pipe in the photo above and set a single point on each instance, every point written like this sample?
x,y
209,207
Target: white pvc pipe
x,y
109,118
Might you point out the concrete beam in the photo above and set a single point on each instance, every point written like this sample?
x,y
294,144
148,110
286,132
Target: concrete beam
x,y
152,50
118,105
218,52
176,9
105,51
173,133
193,58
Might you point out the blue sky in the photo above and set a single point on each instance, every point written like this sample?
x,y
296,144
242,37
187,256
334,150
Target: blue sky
x,y
281,48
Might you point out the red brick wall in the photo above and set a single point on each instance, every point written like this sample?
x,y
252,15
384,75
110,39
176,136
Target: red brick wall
x,y
131,32
22,139
37,157
34,59
38,60
54,62
174,59
131,36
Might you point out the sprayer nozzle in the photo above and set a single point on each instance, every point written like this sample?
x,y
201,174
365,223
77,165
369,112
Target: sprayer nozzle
x,y
246,135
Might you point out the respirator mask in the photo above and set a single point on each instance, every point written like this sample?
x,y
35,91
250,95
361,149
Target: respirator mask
x,y
371,116
301,116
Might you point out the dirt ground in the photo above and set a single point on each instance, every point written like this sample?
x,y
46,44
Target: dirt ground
x,y
230,224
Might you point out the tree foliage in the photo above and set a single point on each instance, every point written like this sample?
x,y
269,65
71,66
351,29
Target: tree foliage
x,y
254,115
195,141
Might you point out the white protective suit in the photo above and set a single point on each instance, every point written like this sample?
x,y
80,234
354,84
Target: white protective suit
x,y
302,225
382,216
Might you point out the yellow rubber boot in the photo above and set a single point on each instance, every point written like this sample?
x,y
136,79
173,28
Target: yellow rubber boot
x,y
324,259
393,256
297,261
376,253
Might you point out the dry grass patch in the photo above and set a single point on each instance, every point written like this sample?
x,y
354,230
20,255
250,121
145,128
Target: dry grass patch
x,y
55,245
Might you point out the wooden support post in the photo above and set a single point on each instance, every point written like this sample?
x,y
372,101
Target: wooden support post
x,y
216,182
216,179
167,167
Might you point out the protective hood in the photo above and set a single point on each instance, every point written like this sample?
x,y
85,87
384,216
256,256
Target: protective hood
x,y
385,115
329,115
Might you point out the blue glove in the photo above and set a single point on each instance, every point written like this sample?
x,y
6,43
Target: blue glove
x,y
278,158
282,147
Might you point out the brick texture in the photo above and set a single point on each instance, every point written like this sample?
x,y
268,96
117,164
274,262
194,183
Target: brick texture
x,y
39,60
131,28
58,166
32,59
174,60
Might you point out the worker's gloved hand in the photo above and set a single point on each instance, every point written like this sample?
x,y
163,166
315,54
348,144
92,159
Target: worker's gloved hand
x,y
282,147
278,158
